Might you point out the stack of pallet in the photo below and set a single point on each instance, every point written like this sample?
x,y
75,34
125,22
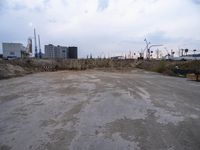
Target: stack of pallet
x,y
194,77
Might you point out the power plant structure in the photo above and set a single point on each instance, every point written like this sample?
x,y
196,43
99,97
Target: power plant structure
x,y
14,50
37,54
17,50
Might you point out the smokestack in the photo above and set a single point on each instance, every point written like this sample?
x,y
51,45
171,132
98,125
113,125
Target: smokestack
x,y
40,53
36,52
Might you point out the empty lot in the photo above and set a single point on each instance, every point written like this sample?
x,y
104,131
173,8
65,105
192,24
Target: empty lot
x,y
96,110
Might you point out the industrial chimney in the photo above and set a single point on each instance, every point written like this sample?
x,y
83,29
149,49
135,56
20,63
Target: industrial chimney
x,y
40,53
36,52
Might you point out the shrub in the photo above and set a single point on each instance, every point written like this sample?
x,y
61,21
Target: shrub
x,y
161,68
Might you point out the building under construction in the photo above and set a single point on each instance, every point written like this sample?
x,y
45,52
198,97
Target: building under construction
x,y
60,52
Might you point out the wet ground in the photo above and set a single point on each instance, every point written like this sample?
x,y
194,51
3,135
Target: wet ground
x,y
95,110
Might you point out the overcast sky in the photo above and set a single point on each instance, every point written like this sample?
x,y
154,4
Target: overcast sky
x,y
109,27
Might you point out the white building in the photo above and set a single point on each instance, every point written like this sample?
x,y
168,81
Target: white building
x,y
13,50
189,57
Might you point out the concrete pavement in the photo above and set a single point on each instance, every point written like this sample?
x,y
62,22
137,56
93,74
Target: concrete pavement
x,y
96,110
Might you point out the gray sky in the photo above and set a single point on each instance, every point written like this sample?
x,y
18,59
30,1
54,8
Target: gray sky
x,y
109,27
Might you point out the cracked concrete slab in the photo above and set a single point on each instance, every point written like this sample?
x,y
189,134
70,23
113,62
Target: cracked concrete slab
x,y
98,110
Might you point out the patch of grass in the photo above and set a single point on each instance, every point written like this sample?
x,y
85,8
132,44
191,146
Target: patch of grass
x,y
160,67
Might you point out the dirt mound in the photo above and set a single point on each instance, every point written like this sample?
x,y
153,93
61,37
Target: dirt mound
x,y
20,67
9,70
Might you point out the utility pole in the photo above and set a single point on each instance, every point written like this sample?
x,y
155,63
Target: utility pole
x,y
36,51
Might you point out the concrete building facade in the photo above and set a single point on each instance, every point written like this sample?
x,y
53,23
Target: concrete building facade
x,y
60,52
55,52
49,51
13,50
72,52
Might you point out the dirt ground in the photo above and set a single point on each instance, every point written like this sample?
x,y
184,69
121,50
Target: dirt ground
x,y
96,110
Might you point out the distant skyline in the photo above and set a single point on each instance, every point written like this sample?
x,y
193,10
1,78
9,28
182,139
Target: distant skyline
x,y
102,27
